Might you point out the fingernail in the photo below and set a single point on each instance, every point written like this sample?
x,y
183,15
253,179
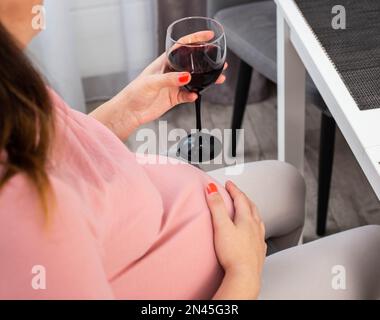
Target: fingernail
x,y
184,78
212,188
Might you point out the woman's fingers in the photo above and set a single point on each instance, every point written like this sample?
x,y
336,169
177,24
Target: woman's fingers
x,y
219,213
185,96
262,228
222,78
160,63
174,80
201,36
171,79
244,207
241,202
160,80
255,212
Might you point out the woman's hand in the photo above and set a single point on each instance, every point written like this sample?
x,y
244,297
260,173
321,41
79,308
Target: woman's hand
x,y
151,95
239,244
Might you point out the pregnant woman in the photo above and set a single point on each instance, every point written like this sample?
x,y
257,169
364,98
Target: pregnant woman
x,y
82,218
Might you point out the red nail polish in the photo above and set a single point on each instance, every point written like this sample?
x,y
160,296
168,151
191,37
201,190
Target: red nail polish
x,y
184,78
212,188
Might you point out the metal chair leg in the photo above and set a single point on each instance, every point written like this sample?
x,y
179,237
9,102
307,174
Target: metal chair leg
x,y
241,98
326,159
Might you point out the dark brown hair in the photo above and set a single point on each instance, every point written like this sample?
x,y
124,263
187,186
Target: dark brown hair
x,y
26,118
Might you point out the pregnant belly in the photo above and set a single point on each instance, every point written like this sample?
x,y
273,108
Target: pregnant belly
x,y
181,264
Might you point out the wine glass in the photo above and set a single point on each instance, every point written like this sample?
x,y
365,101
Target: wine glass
x,y
197,45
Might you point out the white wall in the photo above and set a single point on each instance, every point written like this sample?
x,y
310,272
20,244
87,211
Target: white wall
x,y
54,51
98,36
140,34
114,35
107,42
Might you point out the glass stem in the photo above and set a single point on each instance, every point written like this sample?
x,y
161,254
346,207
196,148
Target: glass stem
x,y
198,103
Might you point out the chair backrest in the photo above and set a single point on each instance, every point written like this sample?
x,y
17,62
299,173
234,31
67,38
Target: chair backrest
x,y
213,6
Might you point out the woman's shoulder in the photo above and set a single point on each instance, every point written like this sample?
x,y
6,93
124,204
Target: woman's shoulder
x,y
56,99
76,120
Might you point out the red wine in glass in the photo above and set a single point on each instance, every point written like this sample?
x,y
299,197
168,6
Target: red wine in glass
x,y
199,60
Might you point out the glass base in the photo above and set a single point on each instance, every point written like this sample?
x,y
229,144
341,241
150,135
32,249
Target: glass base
x,y
199,147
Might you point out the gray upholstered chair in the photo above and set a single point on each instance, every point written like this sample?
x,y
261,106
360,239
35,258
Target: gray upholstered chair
x,y
250,27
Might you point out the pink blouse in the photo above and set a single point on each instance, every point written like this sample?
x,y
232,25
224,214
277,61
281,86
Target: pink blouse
x,y
119,229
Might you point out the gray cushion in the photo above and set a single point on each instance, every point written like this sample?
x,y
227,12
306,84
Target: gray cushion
x,y
213,6
251,35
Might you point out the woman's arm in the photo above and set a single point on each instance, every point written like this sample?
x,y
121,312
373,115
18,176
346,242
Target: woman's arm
x,y
239,244
238,286
151,95
145,99
116,117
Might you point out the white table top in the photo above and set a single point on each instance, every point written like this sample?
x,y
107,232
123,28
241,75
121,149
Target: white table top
x,y
360,128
